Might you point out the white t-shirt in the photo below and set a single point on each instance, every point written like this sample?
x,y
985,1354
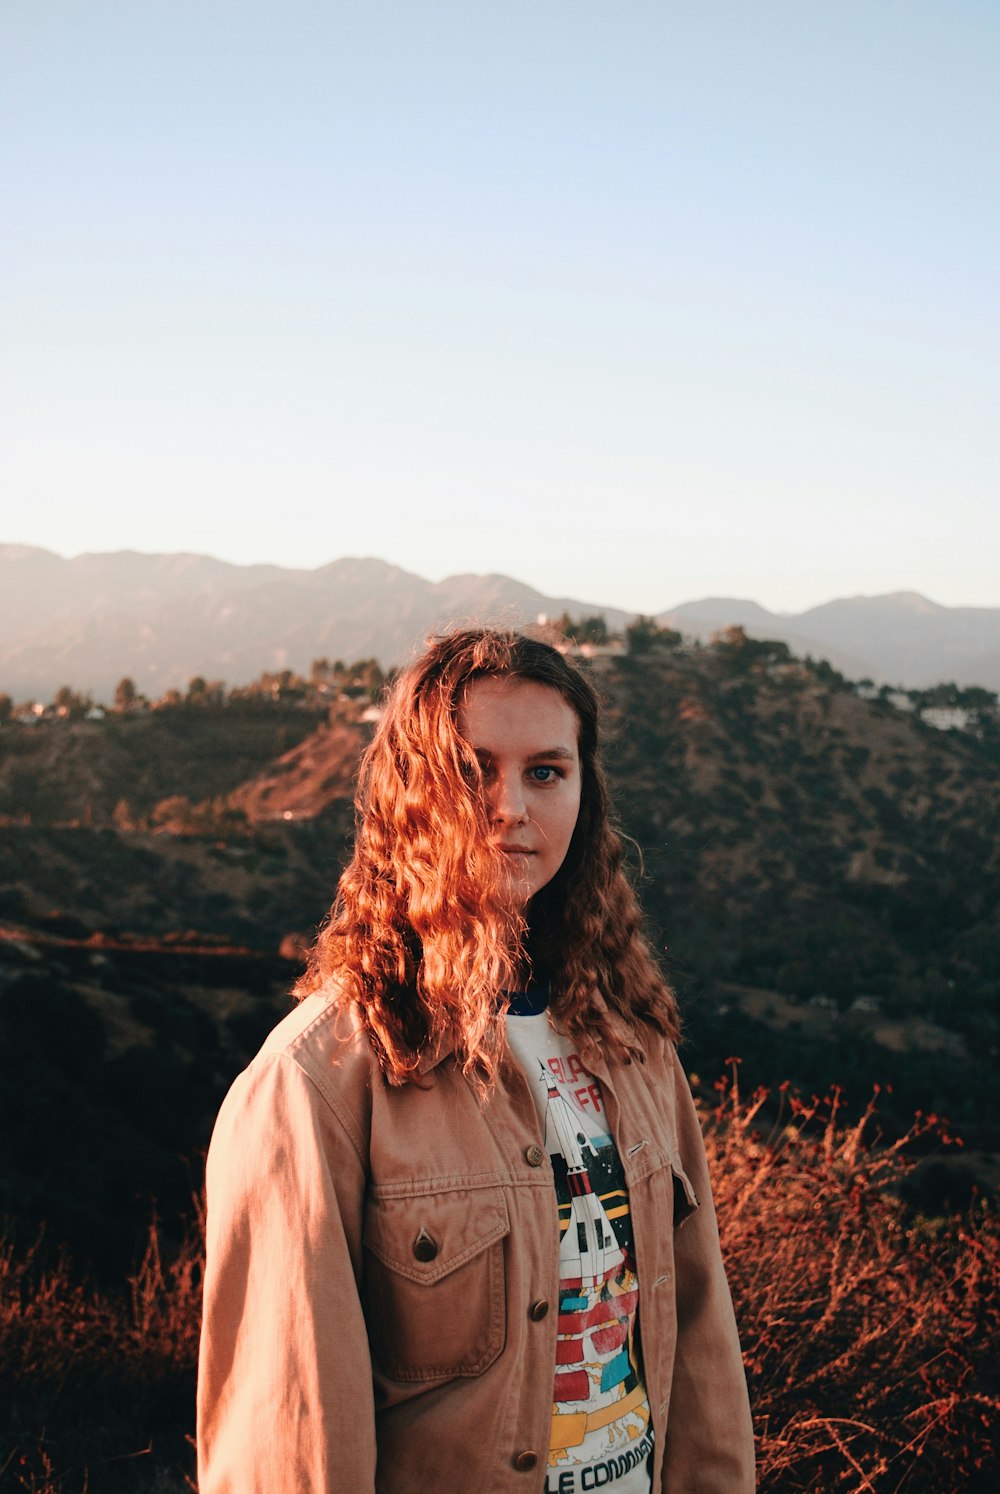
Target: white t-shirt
x,y
602,1437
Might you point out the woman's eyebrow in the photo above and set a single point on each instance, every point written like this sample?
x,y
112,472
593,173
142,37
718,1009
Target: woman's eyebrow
x,y
562,754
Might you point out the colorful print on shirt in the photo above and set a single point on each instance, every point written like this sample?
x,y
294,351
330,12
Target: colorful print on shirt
x,y
601,1432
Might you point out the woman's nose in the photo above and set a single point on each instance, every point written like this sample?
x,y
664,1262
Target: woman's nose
x,y
506,802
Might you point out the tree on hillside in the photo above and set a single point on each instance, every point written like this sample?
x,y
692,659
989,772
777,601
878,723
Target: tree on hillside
x,y
645,634
71,705
202,692
825,672
368,673
742,654
585,630
363,677
6,708
971,698
732,639
126,695
593,629
280,684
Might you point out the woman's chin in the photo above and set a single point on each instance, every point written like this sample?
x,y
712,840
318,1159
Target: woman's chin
x,y
519,887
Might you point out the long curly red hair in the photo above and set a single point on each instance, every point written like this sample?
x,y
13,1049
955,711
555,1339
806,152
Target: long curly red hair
x,y
423,939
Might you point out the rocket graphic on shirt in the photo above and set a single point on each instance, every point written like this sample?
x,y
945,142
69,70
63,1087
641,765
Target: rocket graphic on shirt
x,y
598,1287
589,1249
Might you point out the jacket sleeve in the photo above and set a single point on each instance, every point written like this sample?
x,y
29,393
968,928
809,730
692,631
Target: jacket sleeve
x,y
709,1443
284,1378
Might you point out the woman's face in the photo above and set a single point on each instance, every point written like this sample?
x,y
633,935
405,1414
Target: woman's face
x,y
525,737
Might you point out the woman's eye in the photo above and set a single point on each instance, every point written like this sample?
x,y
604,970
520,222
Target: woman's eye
x,y
471,773
544,774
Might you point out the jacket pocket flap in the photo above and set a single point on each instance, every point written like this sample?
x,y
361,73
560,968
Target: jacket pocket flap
x,y
426,1237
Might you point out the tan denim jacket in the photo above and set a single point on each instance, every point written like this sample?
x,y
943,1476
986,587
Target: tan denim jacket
x,y
382,1283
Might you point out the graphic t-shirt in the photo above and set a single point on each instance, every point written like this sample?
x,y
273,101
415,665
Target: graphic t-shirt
x,y
602,1437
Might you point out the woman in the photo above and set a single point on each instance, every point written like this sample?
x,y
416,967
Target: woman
x,y
460,1231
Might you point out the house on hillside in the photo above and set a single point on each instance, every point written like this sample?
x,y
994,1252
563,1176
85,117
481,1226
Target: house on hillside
x,y
946,718
32,713
614,646
823,1003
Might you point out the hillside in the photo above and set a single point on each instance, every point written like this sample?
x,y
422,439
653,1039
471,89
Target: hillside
x,y
83,772
766,799
772,799
821,871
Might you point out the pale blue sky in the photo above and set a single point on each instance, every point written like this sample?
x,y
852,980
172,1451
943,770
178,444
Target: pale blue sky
x,y
635,302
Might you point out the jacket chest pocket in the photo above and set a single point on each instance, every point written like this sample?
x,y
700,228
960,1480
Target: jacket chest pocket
x,y
433,1286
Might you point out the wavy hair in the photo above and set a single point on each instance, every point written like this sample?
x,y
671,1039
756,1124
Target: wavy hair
x,y
423,938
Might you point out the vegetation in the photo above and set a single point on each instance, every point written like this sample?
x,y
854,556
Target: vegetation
x,y
644,635
583,630
97,1387
868,1331
327,682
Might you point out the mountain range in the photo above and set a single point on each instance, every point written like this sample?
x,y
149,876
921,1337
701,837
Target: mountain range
x,y
163,619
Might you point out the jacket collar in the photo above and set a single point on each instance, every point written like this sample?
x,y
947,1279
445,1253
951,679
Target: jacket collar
x,y
442,1046
434,1052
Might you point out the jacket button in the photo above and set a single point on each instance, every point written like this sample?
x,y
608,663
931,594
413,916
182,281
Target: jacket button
x,y
538,1310
525,1461
535,1156
425,1247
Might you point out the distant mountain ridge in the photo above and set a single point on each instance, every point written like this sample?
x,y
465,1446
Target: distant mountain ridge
x,y
902,638
163,619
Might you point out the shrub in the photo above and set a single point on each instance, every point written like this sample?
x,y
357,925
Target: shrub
x,y
868,1332
96,1389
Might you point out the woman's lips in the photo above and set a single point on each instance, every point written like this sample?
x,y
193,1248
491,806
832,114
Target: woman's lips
x,y
516,850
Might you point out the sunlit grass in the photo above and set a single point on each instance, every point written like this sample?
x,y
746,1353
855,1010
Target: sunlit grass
x,y
869,1333
96,1388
